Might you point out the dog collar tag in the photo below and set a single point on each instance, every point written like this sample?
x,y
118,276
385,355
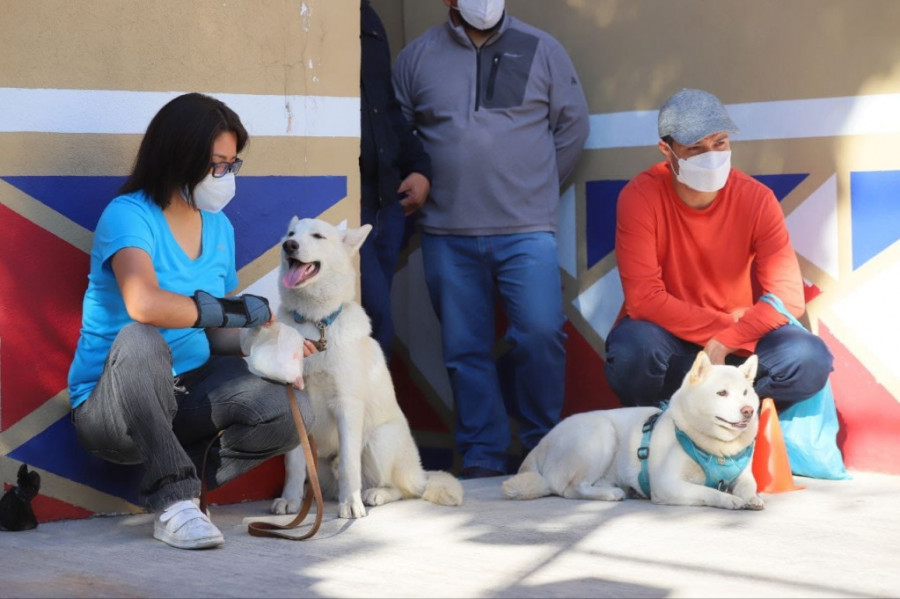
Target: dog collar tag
x,y
322,343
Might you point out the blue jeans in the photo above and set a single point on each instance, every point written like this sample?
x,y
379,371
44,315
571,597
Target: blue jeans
x,y
463,273
378,262
139,414
646,364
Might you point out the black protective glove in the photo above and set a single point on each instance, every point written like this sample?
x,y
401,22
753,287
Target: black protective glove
x,y
231,312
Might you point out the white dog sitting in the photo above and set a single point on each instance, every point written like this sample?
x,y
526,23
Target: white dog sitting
x,y
696,452
365,447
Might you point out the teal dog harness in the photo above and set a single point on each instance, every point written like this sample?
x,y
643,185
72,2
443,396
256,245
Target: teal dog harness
x,y
721,471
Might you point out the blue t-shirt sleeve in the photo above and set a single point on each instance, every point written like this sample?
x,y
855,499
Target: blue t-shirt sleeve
x,y
123,224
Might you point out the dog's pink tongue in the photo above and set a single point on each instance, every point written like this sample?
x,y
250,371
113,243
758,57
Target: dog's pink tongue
x,y
298,272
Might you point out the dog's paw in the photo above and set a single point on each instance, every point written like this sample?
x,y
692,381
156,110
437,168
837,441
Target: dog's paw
x,y
731,502
375,496
282,505
350,510
380,495
613,494
352,507
755,503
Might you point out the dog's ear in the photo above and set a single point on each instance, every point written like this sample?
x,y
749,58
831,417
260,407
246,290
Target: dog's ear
x,y
354,238
749,367
700,370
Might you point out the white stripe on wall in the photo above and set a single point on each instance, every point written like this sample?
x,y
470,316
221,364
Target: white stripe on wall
x,y
785,119
124,112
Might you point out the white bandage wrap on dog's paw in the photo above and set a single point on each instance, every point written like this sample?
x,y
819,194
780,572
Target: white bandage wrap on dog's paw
x,y
248,336
274,352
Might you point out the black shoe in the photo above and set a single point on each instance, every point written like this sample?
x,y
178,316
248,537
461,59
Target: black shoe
x,y
478,472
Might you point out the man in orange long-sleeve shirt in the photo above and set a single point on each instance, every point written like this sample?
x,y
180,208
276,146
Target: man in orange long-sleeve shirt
x,y
688,232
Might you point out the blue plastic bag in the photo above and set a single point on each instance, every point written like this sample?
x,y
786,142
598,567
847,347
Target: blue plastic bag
x,y
810,426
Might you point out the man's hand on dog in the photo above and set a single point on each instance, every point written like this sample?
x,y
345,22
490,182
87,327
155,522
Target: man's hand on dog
x,y
717,351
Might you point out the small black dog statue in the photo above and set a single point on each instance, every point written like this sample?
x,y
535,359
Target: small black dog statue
x,y
15,505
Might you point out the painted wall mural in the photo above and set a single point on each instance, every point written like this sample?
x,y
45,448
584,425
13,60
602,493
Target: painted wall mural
x,y
68,137
825,142
44,274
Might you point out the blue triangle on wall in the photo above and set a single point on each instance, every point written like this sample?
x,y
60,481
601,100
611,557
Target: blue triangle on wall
x,y
80,199
263,207
874,213
601,198
781,184
260,211
56,449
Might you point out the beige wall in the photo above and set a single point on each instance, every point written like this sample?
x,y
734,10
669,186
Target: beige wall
x,y
254,47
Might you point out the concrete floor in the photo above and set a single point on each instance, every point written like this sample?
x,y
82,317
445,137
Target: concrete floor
x,y
833,539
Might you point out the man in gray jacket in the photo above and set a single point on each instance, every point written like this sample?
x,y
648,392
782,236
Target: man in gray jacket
x,y
500,110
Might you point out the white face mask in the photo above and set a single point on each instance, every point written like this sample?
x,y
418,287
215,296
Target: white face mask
x,y
704,172
213,193
481,14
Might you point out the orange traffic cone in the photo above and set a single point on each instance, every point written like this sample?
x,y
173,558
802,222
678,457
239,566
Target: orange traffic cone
x,y
771,467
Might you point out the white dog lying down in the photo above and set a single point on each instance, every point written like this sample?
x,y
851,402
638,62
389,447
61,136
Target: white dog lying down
x,y
711,420
367,455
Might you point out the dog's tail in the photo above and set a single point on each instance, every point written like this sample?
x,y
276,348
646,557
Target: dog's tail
x,y
526,485
442,488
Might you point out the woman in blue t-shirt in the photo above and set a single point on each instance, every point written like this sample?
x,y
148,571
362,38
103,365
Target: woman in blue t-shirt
x,y
157,371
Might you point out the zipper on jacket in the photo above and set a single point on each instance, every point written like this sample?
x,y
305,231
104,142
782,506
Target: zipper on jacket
x,y
492,78
477,79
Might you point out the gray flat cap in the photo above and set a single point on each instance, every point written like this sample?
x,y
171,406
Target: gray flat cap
x,y
692,114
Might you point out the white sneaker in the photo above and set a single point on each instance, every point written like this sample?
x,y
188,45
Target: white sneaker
x,y
196,501
183,525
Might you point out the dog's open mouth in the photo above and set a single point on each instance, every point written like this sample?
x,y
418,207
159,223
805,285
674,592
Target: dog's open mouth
x,y
741,424
298,272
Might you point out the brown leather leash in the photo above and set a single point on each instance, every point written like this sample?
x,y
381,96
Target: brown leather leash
x,y
311,488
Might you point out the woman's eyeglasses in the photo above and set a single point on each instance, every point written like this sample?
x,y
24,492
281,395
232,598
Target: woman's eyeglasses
x,y
220,169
